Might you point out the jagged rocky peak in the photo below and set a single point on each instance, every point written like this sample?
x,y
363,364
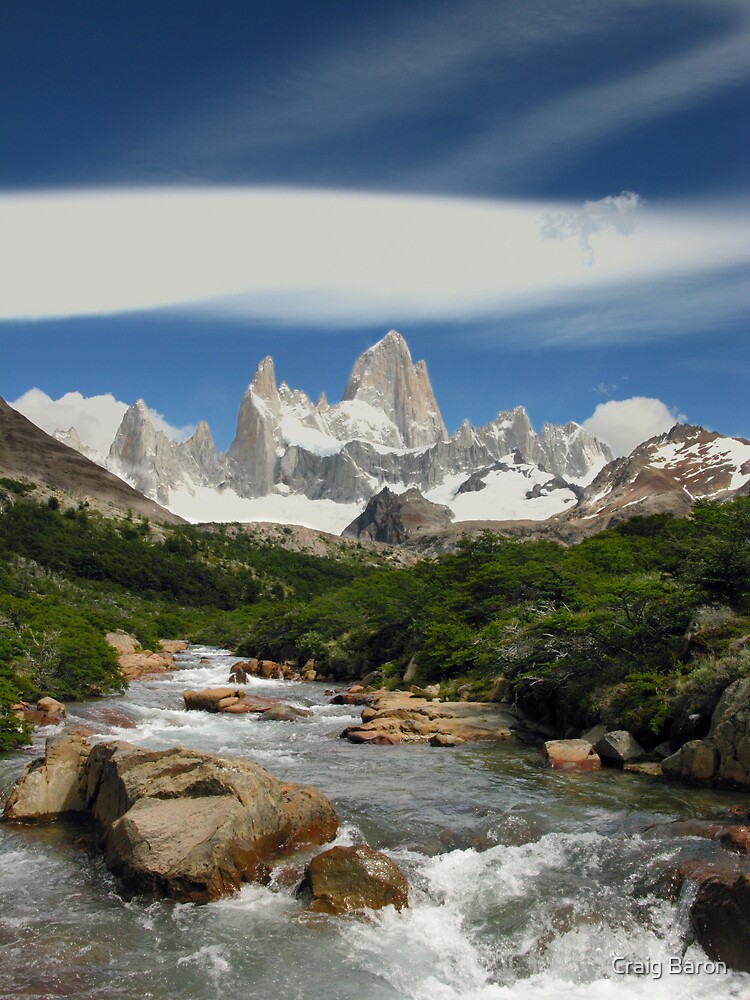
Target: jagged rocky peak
x,y
264,380
385,378
252,455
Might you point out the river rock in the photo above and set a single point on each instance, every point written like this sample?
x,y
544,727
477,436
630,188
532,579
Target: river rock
x,y
720,916
572,755
53,785
307,817
209,699
723,757
619,747
594,734
51,706
173,645
179,823
412,719
137,665
353,878
284,713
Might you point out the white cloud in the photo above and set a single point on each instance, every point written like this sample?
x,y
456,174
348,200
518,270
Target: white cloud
x,y
351,259
615,212
626,423
96,418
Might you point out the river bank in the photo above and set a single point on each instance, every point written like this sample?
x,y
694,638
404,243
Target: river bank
x,y
525,882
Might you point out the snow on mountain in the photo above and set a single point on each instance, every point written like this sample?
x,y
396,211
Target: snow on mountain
x,y
387,431
668,473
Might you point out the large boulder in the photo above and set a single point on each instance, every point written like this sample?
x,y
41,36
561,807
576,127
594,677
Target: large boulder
x,y
53,785
192,826
353,878
723,757
121,642
572,755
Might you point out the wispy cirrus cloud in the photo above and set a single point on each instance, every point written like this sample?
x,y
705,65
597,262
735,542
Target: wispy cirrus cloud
x,y
584,115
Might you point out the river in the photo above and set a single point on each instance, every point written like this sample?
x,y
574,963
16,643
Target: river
x,y
525,883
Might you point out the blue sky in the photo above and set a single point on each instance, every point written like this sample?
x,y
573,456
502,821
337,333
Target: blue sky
x,y
549,200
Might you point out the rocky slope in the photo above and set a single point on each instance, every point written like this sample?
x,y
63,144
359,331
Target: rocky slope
x,y
666,474
30,455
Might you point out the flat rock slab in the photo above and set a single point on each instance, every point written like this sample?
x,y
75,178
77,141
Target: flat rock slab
x,y
403,717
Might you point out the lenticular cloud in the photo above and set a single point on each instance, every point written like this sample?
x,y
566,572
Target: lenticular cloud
x,y
313,257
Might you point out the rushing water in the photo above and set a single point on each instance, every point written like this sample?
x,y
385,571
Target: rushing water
x,y
525,883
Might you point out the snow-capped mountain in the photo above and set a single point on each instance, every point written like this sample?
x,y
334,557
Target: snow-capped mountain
x,y
667,473
318,463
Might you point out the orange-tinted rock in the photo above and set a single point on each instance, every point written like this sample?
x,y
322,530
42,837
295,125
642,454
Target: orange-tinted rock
x,y
720,917
353,878
572,755
307,817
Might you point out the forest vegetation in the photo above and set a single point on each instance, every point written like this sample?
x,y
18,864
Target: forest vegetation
x,y
641,626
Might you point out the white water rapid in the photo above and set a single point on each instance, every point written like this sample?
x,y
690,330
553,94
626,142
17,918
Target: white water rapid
x,y
525,884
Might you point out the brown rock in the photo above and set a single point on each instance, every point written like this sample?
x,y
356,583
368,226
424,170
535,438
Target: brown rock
x,y
284,713
121,642
180,823
378,737
51,706
268,668
720,917
649,769
53,785
307,817
173,645
445,740
208,700
353,878
572,755
136,665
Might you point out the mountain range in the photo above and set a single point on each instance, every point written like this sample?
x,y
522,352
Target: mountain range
x,y
322,463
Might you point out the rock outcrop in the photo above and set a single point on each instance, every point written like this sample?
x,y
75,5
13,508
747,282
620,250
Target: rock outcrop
x,y
191,826
723,758
394,518
353,878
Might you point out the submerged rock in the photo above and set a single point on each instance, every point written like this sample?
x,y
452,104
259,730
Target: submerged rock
x,y
179,823
720,917
353,878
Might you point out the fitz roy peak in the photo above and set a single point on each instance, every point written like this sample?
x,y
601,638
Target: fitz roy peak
x,y
387,430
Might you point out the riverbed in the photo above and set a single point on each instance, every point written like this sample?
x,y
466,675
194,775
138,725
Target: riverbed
x,y
525,883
